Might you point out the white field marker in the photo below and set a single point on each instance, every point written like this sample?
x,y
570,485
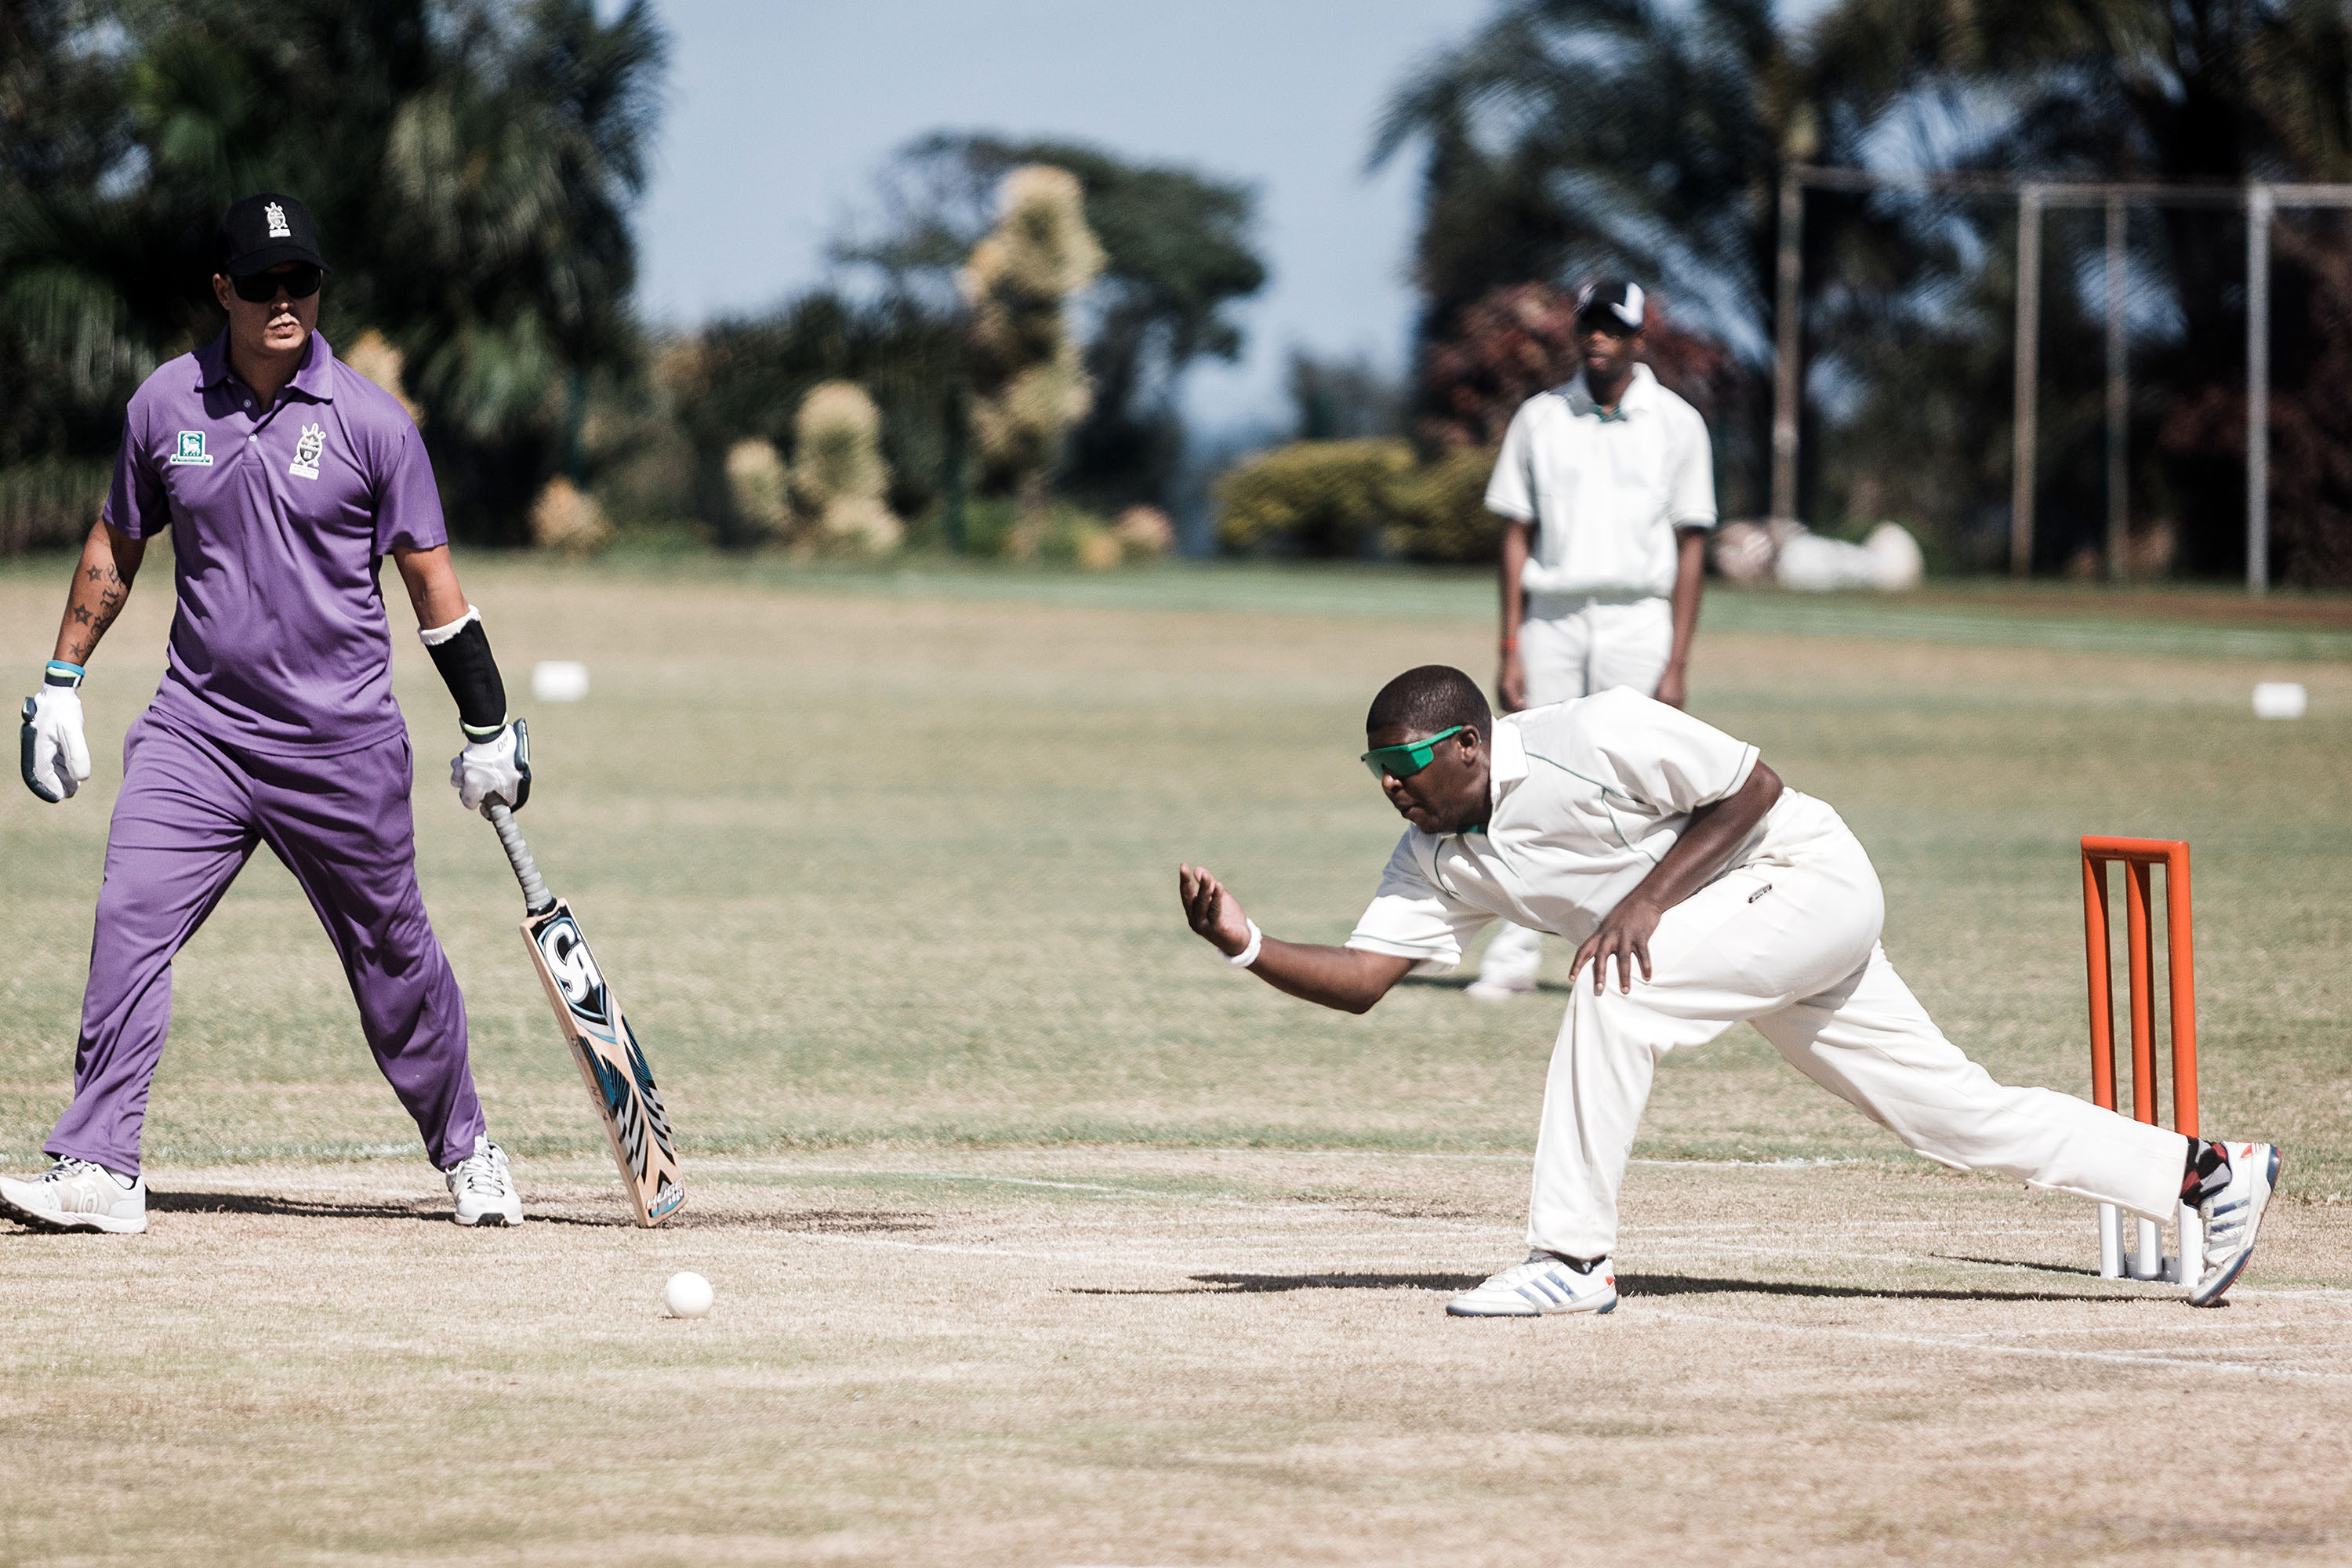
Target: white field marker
x,y
566,680
2280,700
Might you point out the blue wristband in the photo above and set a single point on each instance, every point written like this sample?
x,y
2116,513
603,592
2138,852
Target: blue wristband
x,y
72,673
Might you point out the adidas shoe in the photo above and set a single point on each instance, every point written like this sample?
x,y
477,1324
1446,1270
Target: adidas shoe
x,y
74,1195
1541,1286
2231,1217
484,1187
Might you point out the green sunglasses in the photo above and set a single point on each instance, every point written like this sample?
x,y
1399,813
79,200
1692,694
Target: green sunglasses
x,y
1403,762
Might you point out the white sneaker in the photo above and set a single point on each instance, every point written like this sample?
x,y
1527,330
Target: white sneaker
x,y
2231,1217
1541,1286
1499,990
484,1187
74,1195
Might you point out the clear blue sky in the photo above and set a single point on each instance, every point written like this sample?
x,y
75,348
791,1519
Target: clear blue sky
x,y
781,111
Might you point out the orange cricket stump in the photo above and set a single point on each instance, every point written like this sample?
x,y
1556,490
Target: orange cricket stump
x,y
2139,857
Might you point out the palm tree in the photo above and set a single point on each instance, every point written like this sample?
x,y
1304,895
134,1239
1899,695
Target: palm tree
x,y
1634,134
1569,137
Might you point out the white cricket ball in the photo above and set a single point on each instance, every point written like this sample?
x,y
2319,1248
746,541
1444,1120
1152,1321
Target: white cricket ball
x,y
686,1296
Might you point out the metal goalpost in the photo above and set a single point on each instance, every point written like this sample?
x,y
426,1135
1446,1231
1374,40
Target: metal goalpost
x,y
2261,201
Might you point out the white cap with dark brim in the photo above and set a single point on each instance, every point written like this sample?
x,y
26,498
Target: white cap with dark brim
x,y
1620,299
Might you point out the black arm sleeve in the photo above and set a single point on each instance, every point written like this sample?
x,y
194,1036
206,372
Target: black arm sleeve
x,y
472,675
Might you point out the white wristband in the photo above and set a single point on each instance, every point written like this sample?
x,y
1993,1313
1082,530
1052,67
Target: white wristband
x,y
1248,955
434,636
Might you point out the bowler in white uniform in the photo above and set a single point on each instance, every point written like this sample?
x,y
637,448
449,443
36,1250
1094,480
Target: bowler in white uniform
x,y
1606,484
1664,846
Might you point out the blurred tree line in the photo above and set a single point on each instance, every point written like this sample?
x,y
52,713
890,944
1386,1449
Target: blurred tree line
x,y
1567,138
471,166
1175,253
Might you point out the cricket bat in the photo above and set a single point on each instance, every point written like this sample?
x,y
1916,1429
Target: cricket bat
x,y
601,1042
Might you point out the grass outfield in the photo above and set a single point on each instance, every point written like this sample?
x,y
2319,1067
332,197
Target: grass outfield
x,y
883,865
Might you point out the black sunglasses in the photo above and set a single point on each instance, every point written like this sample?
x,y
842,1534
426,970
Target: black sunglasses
x,y
260,287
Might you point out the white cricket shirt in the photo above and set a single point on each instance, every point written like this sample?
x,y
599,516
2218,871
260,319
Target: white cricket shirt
x,y
1606,492
1589,795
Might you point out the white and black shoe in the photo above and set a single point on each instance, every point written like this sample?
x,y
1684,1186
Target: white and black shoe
x,y
2231,1216
74,1195
1545,1284
484,1187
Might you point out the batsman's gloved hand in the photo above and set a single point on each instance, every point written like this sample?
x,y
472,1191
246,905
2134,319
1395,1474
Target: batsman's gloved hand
x,y
54,756
496,765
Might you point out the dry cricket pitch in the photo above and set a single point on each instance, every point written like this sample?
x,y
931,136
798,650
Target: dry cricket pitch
x,y
1159,1357
950,1079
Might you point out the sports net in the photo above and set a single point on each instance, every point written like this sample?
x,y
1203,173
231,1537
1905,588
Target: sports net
x,y
1911,301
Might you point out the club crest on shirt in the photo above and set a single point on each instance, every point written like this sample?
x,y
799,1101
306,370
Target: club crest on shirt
x,y
191,453
305,453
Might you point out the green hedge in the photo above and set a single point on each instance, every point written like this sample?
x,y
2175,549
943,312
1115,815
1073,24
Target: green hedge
x,y
1358,498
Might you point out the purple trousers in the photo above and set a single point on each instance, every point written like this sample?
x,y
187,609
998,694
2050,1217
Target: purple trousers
x,y
191,812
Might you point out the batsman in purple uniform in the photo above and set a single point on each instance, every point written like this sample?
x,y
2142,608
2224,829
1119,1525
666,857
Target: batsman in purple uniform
x,y
285,477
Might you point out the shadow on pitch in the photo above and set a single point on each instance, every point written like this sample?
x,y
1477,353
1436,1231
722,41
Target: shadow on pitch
x,y
1698,1285
1630,1285
860,1222
1254,1284
264,1205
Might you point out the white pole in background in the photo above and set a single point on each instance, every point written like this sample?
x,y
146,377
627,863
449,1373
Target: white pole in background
x,y
2118,398
1787,382
2258,388
2029,339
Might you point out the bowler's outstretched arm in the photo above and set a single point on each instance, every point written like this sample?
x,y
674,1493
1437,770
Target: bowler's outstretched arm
x,y
1341,977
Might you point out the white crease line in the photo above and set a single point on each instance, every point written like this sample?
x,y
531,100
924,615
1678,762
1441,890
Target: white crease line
x,y
1324,1209
1366,1155
1818,1161
1147,1256
1917,1259
2044,1352
1794,1162
1080,1188
964,1251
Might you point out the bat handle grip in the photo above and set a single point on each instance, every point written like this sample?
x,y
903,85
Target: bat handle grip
x,y
536,898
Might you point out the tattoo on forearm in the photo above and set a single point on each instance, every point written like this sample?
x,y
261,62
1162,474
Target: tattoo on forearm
x,y
93,618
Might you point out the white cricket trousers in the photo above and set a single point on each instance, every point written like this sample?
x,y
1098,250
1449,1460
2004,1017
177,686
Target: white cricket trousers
x,y
1569,650
1791,946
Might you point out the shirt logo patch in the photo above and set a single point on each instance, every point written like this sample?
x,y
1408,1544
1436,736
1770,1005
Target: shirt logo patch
x,y
305,453
191,451
277,217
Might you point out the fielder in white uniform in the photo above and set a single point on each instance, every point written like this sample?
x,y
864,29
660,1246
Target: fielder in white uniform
x,y
1607,485
1657,842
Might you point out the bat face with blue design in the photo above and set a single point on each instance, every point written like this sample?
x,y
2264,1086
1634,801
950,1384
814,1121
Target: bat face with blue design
x,y
602,1043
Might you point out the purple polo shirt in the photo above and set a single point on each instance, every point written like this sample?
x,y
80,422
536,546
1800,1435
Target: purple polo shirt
x,y
281,518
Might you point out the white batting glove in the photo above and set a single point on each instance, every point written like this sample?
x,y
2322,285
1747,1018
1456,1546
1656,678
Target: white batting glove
x,y
498,766
54,756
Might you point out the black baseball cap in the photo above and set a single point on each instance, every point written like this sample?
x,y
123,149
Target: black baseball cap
x,y
261,231
1614,300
